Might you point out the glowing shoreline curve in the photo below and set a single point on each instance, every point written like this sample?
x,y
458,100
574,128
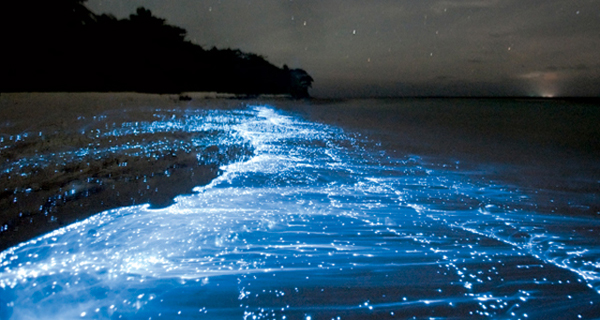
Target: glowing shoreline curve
x,y
313,213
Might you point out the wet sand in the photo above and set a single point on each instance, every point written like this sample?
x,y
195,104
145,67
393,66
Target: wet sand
x,y
51,176
404,212
538,146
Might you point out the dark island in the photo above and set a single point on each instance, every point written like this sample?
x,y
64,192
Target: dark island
x,y
61,46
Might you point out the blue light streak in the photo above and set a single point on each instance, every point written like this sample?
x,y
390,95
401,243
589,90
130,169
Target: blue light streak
x,y
315,223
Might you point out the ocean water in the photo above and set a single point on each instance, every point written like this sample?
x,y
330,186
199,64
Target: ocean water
x,y
319,222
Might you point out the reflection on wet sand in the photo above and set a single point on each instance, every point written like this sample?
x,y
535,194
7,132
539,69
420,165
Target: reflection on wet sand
x,y
317,222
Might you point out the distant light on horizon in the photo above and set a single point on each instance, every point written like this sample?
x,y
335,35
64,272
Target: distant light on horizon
x,y
548,95
548,90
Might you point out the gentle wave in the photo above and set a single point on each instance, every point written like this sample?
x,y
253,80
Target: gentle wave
x,y
314,225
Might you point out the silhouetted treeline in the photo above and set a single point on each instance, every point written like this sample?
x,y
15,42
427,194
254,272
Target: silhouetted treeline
x,y
63,46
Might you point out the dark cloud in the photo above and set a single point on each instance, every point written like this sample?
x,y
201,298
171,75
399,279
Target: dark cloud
x,y
387,46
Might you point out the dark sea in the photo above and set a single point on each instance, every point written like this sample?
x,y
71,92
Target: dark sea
x,y
335,209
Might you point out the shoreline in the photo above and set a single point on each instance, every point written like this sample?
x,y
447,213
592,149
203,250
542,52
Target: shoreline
x,y
542,147
525,151
66,157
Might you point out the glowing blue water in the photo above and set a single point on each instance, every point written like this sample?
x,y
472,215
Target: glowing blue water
x,y
315,226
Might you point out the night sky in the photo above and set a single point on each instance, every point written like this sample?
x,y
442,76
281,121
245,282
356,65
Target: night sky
x,y
401,48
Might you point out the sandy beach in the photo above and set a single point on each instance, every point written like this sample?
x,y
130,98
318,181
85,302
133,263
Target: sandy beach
x,y
145,206
52,177
557,149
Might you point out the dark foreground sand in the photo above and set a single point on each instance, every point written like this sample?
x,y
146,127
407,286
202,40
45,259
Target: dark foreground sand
x,y
40,194
541,146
